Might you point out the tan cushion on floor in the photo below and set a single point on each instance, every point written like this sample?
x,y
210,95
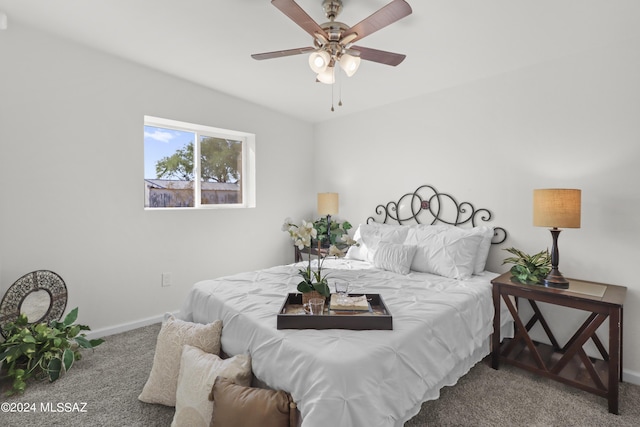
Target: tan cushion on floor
x,y
238,406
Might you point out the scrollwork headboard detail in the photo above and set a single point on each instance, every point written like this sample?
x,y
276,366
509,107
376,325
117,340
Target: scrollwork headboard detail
x,y
426,205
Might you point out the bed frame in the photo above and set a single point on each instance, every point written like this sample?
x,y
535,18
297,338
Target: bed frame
x,y
426,205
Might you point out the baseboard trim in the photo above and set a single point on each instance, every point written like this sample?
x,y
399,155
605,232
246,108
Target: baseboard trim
x,y
630,377
124,327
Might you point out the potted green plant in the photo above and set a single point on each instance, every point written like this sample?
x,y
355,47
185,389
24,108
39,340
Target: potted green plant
x,y
42,350
528,269
335,230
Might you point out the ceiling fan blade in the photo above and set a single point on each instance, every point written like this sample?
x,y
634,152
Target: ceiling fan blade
x,y
375,55
281,53
300,17
387,15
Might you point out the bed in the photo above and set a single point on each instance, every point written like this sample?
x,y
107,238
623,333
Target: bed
x,y
441,325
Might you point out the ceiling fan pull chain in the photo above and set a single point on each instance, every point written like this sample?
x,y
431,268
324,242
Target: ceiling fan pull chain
x,y
332,99
339,90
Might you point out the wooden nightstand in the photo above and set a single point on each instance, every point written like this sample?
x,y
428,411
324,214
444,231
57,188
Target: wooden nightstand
x,y
569,363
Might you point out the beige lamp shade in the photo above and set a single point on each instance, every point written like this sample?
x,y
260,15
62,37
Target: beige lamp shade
x,y
327,204
557,207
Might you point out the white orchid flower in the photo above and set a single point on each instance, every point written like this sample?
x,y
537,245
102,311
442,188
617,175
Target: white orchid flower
x,y
348,240
335,251
308,227
300,244
286,226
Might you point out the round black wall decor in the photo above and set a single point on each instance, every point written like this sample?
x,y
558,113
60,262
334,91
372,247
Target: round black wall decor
x,y
41,295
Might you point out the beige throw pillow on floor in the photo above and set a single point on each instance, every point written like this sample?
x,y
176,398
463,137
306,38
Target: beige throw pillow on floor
x,y
198,372
174,334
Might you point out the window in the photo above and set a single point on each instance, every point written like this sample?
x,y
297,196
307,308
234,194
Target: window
x,y
194,166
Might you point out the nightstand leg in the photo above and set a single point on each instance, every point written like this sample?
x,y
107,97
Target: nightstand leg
x,y
621,340
614,358
495,344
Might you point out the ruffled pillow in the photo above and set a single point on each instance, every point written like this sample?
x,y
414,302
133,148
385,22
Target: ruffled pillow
x,y
483,249
444,250
369,236
394,257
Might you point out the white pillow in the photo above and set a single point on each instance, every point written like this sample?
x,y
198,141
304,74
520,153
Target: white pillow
x,y
355,251
198,372
394,257
444,250
483,249
369,237
174,333
418,233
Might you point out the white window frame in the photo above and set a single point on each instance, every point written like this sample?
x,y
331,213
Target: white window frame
x,y
248,173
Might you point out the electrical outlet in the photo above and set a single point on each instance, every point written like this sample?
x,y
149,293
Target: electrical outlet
x,y
166,279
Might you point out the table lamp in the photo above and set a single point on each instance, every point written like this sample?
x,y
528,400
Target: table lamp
x,y
327,206
556,208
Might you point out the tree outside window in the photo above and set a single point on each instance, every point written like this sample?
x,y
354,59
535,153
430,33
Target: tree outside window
x,y
171,180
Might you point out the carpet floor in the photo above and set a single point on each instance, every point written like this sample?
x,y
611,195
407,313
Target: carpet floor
x,y
102,390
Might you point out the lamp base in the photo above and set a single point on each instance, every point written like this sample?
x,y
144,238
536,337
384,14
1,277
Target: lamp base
x,y
555,280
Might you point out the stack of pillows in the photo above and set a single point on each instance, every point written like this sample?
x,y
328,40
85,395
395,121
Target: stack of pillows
x,y
441,249
189,373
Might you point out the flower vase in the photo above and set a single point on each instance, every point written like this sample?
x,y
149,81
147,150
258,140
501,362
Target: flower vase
x,y
306,296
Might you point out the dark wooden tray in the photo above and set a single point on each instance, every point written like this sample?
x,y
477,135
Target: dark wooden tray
x,y
293,316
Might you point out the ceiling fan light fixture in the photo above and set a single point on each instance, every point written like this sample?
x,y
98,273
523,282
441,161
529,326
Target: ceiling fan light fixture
x,y
349,64
320,39
327,76
332,40
319,61
348,39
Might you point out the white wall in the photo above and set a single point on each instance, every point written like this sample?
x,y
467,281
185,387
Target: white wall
x,y
71,181
71,157
571,122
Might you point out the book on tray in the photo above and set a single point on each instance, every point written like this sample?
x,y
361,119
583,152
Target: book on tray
x,y
355,303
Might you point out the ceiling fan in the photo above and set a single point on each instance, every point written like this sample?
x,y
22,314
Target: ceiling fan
x,y
333,40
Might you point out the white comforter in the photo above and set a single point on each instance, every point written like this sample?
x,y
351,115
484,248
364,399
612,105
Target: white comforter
x,y
354,378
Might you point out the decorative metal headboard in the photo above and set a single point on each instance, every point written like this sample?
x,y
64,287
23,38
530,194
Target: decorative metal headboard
x,y
441,207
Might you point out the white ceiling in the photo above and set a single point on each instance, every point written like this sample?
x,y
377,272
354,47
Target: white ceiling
x,y
447,42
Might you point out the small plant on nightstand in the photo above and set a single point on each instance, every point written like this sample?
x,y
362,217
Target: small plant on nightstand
x,y
529,269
